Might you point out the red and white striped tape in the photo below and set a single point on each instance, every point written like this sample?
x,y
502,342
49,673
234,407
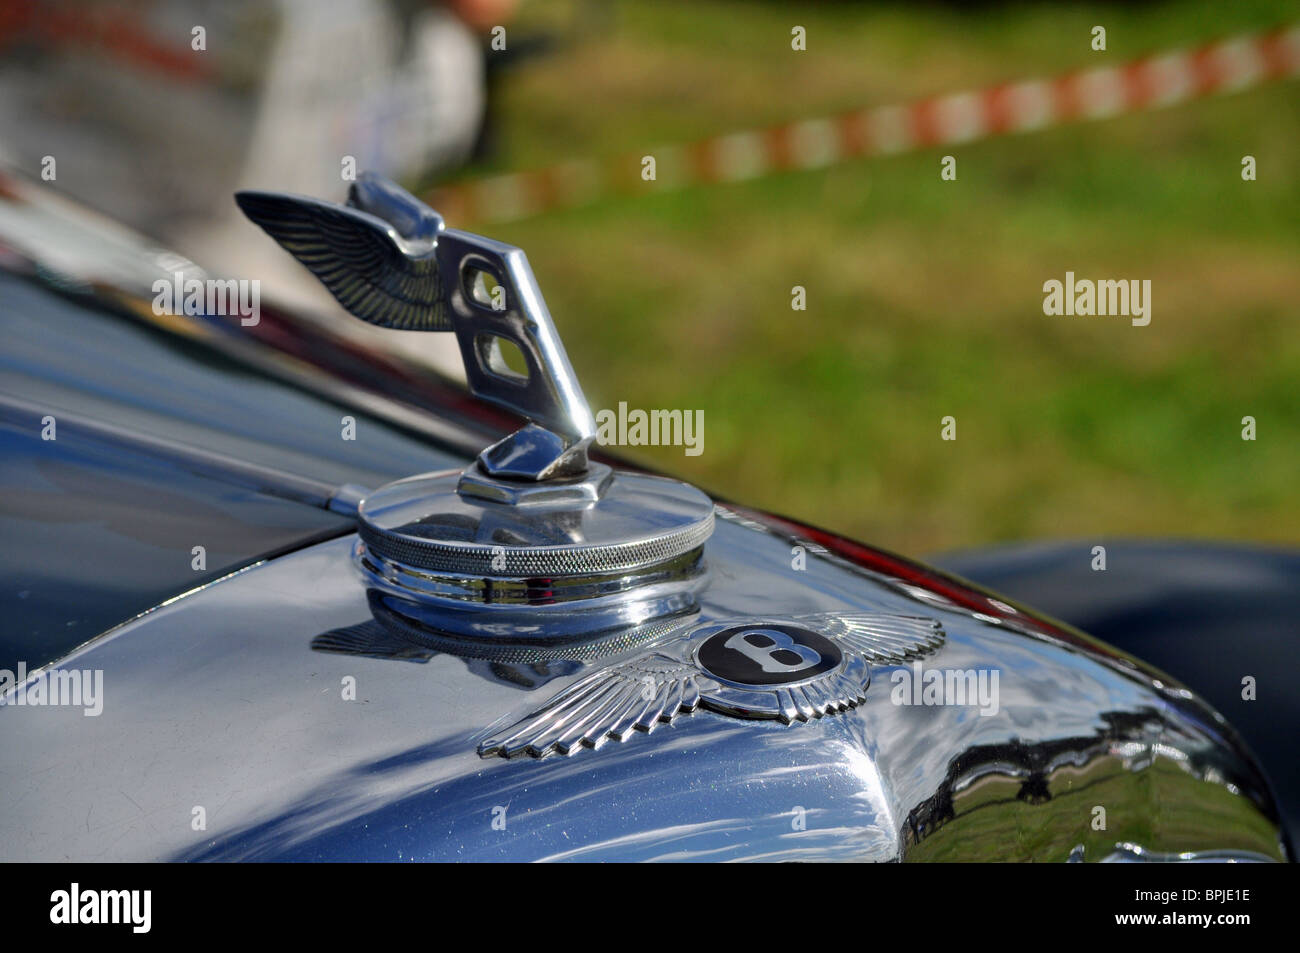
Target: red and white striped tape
x,y
1163,80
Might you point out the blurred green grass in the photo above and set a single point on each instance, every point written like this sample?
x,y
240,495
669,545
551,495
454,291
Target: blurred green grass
x,y
924,297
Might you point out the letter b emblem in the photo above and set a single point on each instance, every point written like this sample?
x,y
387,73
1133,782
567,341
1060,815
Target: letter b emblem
x,y
773,650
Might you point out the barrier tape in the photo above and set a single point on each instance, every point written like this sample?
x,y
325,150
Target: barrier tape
x,y
1166,79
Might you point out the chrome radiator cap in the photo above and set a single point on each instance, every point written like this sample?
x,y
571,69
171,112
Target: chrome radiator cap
x,y
532,544
424,524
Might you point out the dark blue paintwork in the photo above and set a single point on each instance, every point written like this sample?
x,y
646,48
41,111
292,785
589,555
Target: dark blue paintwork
x,y
93,532
93,535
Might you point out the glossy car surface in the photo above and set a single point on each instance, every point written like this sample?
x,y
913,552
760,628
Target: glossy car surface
x,y
258,694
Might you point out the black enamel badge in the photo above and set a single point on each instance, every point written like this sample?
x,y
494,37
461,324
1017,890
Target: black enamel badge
x,y
768,654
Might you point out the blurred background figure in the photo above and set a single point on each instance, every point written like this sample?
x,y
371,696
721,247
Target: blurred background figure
x,y
156,112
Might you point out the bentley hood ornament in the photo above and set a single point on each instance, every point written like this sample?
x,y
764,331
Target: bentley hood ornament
x,y
391,261
532,546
